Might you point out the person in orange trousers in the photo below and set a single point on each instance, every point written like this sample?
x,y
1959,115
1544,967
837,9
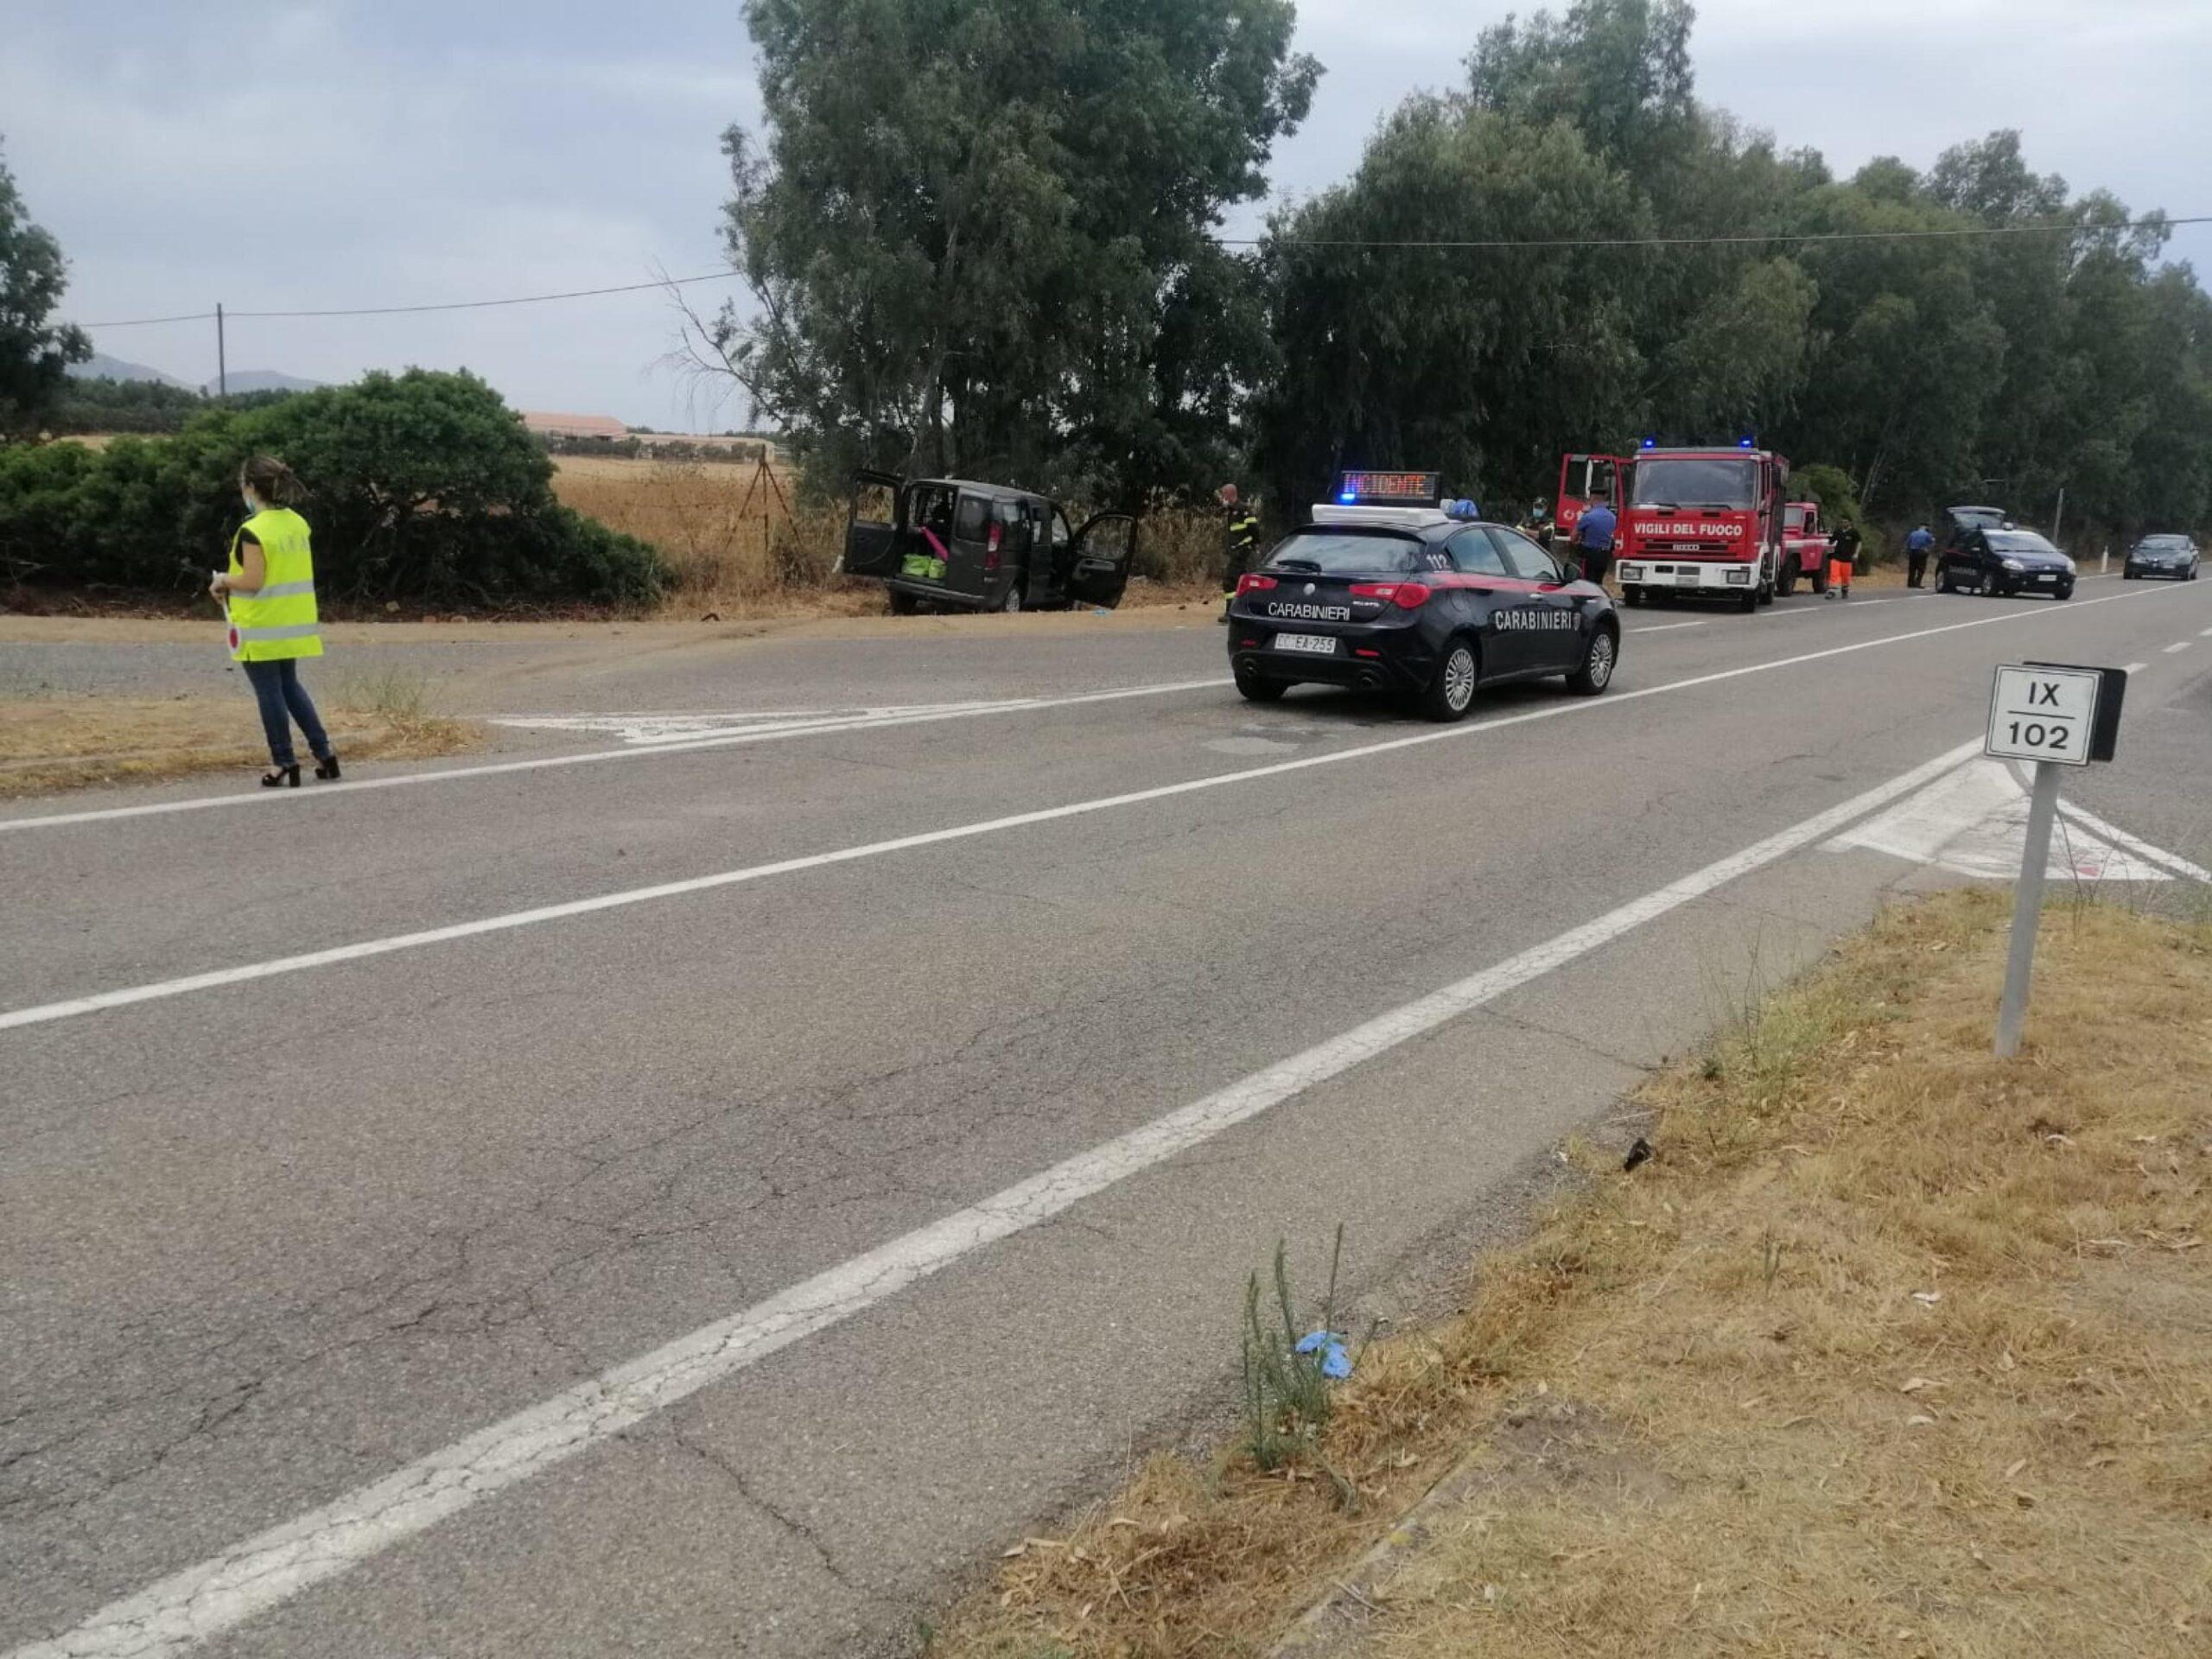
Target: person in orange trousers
x,y
1843,555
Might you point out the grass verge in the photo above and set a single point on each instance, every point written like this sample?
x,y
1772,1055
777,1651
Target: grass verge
x,y
1893,1348
60,743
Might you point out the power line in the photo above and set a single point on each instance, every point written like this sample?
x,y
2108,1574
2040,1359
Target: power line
x,y
448,305
1802,238
1719,241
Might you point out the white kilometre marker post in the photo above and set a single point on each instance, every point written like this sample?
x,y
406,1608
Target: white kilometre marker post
x,y
2056,716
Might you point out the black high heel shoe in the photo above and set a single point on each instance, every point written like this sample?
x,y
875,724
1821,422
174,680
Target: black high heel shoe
x,y
282,778
326,768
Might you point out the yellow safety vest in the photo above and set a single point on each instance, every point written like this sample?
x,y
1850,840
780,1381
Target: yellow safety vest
x,y
280,620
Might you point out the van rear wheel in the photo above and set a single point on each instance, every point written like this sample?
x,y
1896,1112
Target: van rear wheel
x,y
904,604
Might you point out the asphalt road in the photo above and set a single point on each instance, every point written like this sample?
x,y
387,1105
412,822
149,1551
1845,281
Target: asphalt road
x,y
350,1136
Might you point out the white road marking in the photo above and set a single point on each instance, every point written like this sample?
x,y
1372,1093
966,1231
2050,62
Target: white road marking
x,y
670,728
1669,627
2141,848
2135,668
2181,646
205,1600
46,1012
1975,822
2207,634
861,722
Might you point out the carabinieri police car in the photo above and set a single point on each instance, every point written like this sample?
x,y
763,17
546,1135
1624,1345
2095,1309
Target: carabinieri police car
x,y
1391,589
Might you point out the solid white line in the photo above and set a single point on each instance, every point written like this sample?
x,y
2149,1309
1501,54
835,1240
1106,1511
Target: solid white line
x,y
2143,850
46,1012
683,746
2183,645
203,1601
2135,668
1669,627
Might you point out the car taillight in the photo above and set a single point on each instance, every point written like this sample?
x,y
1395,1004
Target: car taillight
x,y
1405,595
1253,584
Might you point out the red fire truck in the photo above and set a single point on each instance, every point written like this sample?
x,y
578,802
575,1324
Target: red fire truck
x,y
1804,547
1703,522
1585,481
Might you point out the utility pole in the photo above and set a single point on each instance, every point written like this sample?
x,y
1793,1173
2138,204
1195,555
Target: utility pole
x,y
222,366
2059,518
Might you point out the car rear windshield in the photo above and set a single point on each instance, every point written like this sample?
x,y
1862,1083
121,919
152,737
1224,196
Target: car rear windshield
x,y
2018,541
1718,481
1348,553
2164,543
1978,517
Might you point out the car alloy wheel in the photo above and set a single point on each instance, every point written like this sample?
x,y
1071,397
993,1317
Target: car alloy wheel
x,y
1458,679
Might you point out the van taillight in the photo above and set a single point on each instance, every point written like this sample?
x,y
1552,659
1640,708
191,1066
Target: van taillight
x,y
991,552
1253,584
1405,595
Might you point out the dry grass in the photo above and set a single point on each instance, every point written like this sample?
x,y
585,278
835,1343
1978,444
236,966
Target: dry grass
x,y
50,744
1894,1349
737,553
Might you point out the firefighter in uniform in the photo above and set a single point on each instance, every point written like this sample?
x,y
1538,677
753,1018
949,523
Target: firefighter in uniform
x,y
267,592
1240,540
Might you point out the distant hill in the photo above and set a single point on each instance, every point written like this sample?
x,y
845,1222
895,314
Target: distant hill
x,y
264,380
100,366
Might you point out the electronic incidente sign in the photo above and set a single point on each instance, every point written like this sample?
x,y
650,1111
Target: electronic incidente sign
x,y
1390,489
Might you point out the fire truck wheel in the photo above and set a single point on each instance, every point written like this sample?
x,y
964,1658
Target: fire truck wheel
x,y
1766,593
1749,602
1786,580
1634,596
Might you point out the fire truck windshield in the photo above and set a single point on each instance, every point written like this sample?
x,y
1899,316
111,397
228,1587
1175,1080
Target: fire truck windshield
x,y
1671,481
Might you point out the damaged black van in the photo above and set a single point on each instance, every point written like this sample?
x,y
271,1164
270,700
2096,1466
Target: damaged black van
x,y
954,545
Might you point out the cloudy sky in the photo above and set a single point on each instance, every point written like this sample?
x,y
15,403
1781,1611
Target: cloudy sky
x,y
393,152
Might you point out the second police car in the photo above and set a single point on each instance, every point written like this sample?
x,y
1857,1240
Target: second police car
x,y
1387,589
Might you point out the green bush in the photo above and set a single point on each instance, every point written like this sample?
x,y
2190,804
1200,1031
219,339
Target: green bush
x,y
425,486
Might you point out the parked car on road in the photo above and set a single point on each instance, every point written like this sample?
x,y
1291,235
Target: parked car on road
x,y
2172,558
2003,562
957,544
1400,594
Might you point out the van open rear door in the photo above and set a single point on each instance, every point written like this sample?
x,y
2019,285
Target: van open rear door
x,y
1105,551
872,525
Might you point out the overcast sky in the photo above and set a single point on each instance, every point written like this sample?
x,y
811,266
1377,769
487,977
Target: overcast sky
x,y
393,152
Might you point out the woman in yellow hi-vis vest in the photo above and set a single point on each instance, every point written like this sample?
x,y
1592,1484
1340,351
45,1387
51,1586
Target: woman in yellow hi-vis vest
x,y
269,592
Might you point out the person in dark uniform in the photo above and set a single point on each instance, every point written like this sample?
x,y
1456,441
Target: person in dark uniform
x,y
1916,547
1593,542
1240,540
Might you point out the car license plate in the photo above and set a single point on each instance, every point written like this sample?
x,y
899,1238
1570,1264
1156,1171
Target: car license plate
x,y
1686,578
1318,644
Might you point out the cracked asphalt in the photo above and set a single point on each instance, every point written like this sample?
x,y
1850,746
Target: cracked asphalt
x,y
268,1243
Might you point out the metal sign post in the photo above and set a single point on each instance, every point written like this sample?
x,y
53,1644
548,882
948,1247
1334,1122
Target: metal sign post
x,y
2054,716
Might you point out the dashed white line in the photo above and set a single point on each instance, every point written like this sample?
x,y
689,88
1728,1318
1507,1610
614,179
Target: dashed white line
x,y
44,1014
2179,645
217,1595
1670,627
2135,668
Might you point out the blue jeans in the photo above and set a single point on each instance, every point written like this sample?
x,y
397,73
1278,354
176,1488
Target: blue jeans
x,y
276,688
